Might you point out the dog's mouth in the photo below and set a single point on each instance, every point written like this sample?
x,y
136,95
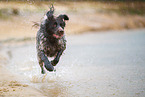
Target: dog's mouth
x,y
58,36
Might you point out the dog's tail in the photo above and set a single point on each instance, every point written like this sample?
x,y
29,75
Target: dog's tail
x,y
35,24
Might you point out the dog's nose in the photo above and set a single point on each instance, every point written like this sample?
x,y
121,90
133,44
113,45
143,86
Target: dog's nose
x,y
61,32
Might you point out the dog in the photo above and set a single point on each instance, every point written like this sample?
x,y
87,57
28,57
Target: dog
x,y
50,40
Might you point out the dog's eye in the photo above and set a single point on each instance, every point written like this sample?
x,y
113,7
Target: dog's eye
x,y
62,25
55,25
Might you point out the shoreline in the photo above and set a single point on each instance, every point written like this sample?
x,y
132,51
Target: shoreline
x,y
12,85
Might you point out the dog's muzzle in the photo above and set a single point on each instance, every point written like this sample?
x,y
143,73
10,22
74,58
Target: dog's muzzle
x,y
57,36
60,33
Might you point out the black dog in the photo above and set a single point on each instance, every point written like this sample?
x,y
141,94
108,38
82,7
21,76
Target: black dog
x,y
50,40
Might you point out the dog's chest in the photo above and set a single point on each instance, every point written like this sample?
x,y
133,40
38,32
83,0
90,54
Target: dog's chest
x,y
52,48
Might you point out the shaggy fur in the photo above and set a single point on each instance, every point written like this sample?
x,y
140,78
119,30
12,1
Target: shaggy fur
x,y
50,40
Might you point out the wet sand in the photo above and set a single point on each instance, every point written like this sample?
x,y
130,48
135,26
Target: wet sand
x,y
13,86
94,64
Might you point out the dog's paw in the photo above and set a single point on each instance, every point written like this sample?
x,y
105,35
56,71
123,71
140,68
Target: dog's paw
x,y
54,62
49,67
54,70
42,72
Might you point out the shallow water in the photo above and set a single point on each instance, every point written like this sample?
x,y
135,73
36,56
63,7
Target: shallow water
x,y
96,64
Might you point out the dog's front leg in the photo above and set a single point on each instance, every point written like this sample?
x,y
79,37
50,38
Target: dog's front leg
x,y
56,60
47,64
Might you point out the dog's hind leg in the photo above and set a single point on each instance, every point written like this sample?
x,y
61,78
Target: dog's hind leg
x,y
41,65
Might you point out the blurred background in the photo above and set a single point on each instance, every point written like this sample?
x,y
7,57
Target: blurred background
x,y
17,17
105,55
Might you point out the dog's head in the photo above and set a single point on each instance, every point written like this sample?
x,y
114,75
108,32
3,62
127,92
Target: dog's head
x,y
55,25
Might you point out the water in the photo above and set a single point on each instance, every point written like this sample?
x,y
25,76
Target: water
x,y
93,65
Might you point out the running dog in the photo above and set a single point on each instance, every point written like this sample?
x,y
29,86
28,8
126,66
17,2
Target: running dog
x,y
50,40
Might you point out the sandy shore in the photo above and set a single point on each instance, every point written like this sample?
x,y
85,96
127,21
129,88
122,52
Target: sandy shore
x,y
13,86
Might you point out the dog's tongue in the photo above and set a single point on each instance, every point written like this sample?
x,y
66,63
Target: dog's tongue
x,y
57,36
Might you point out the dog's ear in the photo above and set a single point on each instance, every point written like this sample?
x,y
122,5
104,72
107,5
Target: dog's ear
x,y
65,17
49,14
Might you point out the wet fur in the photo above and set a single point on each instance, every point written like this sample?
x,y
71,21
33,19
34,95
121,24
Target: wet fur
x,y
50,40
